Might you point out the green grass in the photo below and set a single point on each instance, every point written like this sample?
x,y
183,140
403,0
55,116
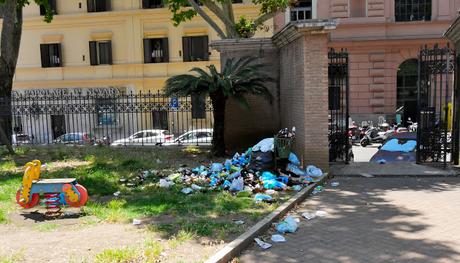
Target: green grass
x,y
46,227
99,169
149,252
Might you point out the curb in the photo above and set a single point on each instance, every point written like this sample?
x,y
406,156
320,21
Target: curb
x,y
235,247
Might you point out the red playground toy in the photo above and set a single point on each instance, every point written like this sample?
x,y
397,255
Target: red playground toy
x,y
55,192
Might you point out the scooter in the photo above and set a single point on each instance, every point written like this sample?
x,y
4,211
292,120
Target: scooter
x,y
374,135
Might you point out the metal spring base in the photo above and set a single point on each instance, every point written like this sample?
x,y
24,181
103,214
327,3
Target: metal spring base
x,y
52,205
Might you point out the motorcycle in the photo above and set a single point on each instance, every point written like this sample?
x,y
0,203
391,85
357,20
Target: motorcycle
x,y
374,135
104,141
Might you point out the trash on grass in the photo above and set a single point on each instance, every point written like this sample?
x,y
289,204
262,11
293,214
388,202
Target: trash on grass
x,y
239,222
278,238
117,193
262,197
262,244
136,222
165,183
187,190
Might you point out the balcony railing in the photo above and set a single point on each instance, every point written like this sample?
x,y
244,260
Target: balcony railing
x,y
301,13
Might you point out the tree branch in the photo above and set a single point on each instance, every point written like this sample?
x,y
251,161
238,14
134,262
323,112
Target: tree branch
x,y
227,7
208,19
261,19
225,18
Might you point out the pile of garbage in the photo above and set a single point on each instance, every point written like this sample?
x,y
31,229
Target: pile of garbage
x,y
246,174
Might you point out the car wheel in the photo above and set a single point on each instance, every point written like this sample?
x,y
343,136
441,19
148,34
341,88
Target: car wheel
x,y
364,143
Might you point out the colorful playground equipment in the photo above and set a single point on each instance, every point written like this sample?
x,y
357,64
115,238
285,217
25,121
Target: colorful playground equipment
x,y
55,192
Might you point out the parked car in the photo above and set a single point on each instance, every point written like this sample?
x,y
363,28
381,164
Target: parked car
x,y
21,139
147,138
194,137
396,149
74,138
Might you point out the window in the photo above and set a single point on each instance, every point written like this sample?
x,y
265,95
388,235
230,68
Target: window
x,y
147,4
358,8
52,4
98,5
156,50
412,10
160,119
195,48
237,1
50,55
100,52
138,135
198,106
106,111
301,10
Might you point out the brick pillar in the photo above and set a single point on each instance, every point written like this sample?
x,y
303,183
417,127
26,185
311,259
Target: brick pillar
x,y
304,88
316,100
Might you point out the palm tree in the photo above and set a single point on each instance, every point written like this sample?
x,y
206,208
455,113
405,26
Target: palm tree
x,y
239,77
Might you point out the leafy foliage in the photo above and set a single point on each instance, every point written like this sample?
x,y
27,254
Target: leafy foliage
x,y
22,3
239,77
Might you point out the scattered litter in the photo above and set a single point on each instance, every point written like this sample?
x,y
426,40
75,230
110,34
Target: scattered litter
x,y
117,193
237,185
187,190
288,225
309,216
137,222
265,145
262,244
239,222
335,184
262,198
317,190
294,159
297,187
278,238
314,171
321,213
165,183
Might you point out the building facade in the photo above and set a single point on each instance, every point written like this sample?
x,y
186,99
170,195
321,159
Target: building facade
x,y
383,39
116,45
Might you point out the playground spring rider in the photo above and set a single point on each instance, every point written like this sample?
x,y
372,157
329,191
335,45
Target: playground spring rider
x,y
56,192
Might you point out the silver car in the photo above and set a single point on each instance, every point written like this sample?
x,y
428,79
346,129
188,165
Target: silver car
x,y
146,138
194,137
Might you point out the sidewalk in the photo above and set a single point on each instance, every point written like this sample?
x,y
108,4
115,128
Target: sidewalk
x,y
394,169
375,220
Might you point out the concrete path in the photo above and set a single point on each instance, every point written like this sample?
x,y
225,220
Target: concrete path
x,y
375,220
394,169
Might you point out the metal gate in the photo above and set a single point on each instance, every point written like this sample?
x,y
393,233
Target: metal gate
x,y
435,107
339,143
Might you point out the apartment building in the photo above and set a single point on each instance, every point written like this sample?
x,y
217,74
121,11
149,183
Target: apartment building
x,y
114,46
383,39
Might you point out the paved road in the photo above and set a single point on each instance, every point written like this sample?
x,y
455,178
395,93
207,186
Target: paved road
x,y
375,220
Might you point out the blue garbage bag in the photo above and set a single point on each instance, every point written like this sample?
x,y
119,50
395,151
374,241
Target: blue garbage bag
x,y
314,171
234,175
283,179
295,170
217,167
214,181
267,176
228,164
237,185
262,197
294,159
273,184
288,225
226,184
199,170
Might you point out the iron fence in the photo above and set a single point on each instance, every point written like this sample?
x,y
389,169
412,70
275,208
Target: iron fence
x,y
108,116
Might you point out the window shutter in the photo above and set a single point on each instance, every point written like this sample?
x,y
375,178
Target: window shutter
x,y
165,47
108,5
93,53
53,6
91,5
145,4
147,50
58,53
45,55
205,43
186,41
109,51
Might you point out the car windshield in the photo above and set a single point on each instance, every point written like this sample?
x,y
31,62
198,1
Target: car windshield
x,y
399,145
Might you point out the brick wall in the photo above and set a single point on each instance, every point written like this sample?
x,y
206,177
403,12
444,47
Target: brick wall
x,y
245,128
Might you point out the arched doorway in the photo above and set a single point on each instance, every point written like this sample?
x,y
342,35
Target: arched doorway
x,y
406,95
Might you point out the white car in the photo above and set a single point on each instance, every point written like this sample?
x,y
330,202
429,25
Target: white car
x,y
194,137
146,138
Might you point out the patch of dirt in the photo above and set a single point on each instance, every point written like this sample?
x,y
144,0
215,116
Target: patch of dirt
x,y
72,238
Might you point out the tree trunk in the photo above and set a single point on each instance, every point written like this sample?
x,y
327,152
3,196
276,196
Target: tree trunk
x,y
218,100
9,51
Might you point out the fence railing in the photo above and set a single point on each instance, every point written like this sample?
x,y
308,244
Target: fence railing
x,y
108,116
